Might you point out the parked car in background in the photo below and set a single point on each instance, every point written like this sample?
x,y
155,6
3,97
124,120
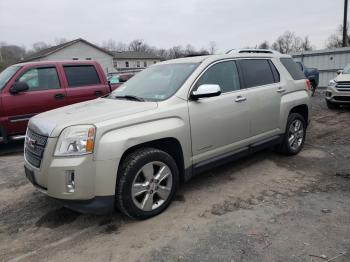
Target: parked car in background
x,y
312,74
131,149
115,80
338,91
27,89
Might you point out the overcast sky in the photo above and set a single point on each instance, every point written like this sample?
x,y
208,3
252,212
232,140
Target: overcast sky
x,y
165,23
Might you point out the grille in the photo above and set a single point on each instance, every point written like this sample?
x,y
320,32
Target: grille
x,y
342,98
343,86
34,147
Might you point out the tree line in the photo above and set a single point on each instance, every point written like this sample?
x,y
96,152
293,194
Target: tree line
x,y
287,43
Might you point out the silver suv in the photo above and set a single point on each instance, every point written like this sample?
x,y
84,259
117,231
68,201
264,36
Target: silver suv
x,y
338,91
132,148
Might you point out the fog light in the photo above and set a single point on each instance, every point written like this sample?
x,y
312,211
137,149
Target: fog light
x,y
70,184
328,94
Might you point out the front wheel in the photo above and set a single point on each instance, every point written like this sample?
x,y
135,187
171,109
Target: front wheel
x,y
294,136
148,180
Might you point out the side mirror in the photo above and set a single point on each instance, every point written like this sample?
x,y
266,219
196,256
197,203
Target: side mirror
x,y
339,72
19,87
123,79
207,90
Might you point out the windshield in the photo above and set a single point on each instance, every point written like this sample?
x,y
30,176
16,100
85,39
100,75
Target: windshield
x,y
346,70
6,75
156,83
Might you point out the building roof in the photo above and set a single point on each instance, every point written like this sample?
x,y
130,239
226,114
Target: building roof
x,y
53,49
134,55
323,52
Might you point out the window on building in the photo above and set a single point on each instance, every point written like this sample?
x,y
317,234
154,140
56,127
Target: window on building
x,y
144,63
126,64
75,58
81,75
138,64
41,78
88,58
154,62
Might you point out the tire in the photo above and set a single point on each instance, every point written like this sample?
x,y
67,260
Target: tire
x,y
288,148
139,194
331,105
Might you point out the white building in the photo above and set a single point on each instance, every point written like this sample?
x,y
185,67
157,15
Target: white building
x,y
78,49
132,60
327,61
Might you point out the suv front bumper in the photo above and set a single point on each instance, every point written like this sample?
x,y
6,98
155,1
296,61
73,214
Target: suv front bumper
x,y
337,97
94,181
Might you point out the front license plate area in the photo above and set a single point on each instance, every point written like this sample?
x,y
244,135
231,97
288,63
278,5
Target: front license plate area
x,y
29,175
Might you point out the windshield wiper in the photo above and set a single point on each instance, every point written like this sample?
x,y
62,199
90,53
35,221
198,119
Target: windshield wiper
x,y
130,97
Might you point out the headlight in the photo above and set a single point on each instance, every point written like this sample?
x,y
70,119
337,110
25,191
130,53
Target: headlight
x,y
332,83
76,140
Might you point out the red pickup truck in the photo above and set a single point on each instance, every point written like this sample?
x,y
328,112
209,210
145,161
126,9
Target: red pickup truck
x,y
27,89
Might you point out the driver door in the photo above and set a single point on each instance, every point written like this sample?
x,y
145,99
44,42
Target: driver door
x,y
45,93
219,124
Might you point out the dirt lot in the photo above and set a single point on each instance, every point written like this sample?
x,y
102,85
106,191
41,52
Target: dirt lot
x,y
262,208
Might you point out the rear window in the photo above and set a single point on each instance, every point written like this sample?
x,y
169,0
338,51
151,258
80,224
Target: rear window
x,y
81,75
257,72
293,68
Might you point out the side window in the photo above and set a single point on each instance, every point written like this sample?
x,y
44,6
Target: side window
x,y
276,74
257,72
41,78
224,74
292,68
81,75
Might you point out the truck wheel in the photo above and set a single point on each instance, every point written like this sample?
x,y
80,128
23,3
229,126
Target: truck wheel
x,y
294,136
147,182
331,105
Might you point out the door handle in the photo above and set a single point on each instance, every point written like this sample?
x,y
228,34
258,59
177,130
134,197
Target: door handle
x,y
98,93
280,90
59,96
240,99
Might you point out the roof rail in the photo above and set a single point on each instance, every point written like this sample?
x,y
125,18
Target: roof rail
x,y
252,50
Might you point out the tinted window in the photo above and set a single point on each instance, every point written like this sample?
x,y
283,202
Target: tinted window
x,y
276,74
257,72
292,68
82,75
224,74
41,78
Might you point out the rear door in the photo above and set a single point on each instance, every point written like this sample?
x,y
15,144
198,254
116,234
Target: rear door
x,y
45,93
83,82
262,81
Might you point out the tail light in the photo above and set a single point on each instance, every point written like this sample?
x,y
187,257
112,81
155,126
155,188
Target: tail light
x,y
308,85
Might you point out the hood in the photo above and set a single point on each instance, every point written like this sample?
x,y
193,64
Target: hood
x,y
90,112
343,78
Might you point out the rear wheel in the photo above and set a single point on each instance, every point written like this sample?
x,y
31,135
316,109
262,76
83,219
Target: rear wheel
x,y
148,180
294,136
331,105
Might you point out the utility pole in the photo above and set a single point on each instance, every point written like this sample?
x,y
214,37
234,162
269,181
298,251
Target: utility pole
x,y
345,37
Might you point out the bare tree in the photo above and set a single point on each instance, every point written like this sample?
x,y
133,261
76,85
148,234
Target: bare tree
x,y
212,48
38,46
10,54
306,44
60,40
138,45
264,45
336,39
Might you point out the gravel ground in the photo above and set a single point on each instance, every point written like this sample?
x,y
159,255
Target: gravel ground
x,y
265,207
